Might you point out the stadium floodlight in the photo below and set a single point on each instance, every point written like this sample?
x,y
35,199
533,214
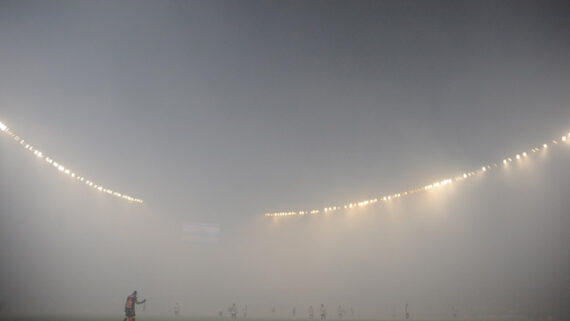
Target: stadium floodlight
x,y
61,168
434,185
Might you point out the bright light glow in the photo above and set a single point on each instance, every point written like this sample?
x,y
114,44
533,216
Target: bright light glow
x,y
431,186
67,171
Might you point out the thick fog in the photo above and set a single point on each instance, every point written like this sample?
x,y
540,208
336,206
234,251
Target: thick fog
x,y
217,112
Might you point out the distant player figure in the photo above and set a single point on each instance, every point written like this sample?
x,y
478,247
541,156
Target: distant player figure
x,y
340,311
245,311
233,311
130,306
407,313
221,313
176,309
273,311
454,313
352,312
323,312
311,312
294,311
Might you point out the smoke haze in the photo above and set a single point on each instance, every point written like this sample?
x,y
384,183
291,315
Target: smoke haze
x,y
217,112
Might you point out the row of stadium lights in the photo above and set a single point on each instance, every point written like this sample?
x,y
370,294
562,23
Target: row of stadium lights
x,y
62,169
435,185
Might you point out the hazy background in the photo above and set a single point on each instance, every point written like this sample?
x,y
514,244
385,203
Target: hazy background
x,y
217,112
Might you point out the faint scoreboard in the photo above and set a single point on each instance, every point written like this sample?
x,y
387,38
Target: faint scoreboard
x,y
205,233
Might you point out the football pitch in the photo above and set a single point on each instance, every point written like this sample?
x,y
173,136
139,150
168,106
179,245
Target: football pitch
x,y
187,318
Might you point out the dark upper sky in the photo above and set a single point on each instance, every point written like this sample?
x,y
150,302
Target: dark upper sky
x,y
218,111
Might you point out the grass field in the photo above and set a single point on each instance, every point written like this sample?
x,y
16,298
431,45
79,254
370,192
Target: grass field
x,y
184,318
